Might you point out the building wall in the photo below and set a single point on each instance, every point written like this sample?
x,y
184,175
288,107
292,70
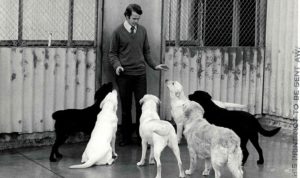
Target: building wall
x,y
281,41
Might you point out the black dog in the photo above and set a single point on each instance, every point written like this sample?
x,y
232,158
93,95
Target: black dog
x,y
244,124
70,121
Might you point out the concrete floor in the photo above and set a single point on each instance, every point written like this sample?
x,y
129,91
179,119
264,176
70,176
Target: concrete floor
x,y
33,162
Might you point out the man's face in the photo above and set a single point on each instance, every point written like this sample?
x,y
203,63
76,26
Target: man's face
x,y
134,18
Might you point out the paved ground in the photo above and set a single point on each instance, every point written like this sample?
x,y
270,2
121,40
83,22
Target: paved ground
x,y
34,163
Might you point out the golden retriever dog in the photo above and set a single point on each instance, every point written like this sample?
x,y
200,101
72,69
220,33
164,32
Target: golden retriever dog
x,y
219,146
157,133
100,149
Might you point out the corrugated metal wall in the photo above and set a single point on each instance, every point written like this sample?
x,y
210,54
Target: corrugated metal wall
x,y
281,40
35,82
232,74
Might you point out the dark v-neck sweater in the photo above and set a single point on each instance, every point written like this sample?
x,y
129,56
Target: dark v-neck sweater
x,y
130,51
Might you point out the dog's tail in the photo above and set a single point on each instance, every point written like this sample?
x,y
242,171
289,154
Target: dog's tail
x,y
235,156
267,133
235,162
87,164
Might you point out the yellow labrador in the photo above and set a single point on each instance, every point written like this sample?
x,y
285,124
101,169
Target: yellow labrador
x,y
101,146
157,133
177,99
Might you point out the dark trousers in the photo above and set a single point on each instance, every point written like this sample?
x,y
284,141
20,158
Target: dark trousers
x,y
129,85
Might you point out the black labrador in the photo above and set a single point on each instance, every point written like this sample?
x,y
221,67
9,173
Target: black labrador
x,y
71,121
244,124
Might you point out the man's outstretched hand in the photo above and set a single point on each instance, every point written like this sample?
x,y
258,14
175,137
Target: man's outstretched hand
x,y
162,67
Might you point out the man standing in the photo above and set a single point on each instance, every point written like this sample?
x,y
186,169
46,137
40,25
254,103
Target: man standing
x,y
129,52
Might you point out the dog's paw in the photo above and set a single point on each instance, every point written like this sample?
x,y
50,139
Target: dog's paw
x,y
110,162
260,162
188,172
115,156
179,140
141,163
58,155
52,159
151,161
206,172
181,175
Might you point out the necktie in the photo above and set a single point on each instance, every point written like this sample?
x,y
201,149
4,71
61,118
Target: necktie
x,y
132,29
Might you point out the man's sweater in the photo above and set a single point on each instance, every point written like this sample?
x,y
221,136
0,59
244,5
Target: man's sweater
x,y
130,51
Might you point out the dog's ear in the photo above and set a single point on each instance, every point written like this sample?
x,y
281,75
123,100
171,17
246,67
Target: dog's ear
x,y
201,108
104,100
185,106
201,95
177,94
186,110
206,95
110,85
102,103
142,101
191,96
96,96
157,100
115,107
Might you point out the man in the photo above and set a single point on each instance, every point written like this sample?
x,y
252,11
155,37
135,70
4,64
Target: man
x,y
129,52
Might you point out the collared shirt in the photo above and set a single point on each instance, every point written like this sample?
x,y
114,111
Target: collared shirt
x,y
128,27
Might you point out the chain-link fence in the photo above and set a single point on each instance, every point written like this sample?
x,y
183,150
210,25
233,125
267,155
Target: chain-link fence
x,y
215,22
48,22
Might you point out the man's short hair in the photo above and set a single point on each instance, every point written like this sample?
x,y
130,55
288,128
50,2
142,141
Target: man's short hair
x,y
133,7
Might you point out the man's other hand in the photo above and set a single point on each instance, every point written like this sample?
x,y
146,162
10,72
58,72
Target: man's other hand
x,y
119,70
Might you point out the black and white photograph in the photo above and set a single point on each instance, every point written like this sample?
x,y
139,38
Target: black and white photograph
x,y
149,88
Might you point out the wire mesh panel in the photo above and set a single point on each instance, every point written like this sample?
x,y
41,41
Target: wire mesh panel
x,y
44,22
84,24
9,19
215,22
42,18
218,22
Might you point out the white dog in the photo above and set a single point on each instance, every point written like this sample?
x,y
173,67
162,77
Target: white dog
x,y
101,146
157,133
177,98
